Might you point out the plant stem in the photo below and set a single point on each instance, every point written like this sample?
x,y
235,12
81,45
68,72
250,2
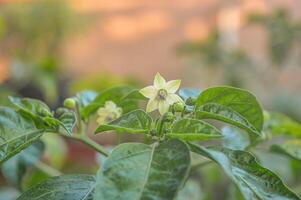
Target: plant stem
x,y
47,169
80,124
84,139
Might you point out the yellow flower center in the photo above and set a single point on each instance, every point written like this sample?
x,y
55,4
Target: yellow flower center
x,y
162,94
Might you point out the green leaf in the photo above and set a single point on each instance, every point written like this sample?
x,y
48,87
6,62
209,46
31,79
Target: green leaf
x,y
113,94
253,180
231,105
138,171
291,148
17,132
42,115
234,138
15,168
66,187
280,124
193,129
32,107
67,119
136,121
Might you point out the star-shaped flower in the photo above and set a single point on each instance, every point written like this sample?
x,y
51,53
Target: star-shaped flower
x,y
108,113
161,94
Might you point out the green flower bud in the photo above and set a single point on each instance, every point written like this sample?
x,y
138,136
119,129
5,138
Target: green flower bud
x,y
178,107
70,103
190,101
169,117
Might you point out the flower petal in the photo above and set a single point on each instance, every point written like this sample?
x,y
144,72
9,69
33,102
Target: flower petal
x,y
110,105
152,105
159,81
173,98
172,86
163,107
149,92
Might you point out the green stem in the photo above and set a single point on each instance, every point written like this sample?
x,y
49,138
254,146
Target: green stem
x,y
80,124
47,169
84,139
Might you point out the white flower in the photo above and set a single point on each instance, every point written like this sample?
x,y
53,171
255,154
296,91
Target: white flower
x,y
108,113
161,94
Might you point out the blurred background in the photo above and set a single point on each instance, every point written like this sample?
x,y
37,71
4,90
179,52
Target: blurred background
x,y
51,49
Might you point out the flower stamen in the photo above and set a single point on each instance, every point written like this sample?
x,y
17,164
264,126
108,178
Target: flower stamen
x,y
162,94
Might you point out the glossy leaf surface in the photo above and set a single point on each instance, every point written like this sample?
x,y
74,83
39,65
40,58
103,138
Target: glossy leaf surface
x,y
136,121
231,105
33,107
17,133
254,181
193,129
137,171
66,187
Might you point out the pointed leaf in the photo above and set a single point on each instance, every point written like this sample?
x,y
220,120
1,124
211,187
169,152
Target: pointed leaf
x,y
32,107
138,171
17,133
253,180
231,105
136,121
67,187
193,129
291,148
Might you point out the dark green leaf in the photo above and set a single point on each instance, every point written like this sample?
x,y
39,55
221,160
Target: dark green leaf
x,y
32,107
253,180
193,129
231,105
136,121
113,94
67,187
235,139
291,148
17,132
15,168
67,119
138,171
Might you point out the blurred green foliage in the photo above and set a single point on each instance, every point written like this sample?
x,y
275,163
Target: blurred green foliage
x,y
283,32
32,35
211,53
